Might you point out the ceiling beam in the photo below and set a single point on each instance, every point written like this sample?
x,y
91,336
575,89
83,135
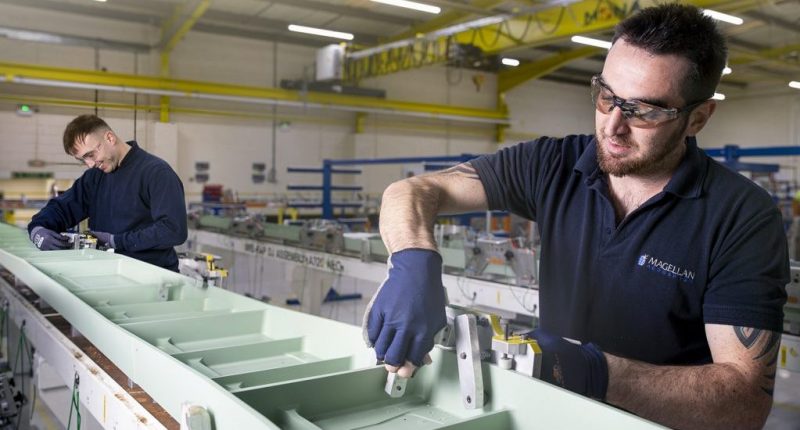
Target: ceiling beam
x,y
774,20
466,7
65,39
511,78
267,36
181,23
444,20
263,28
94,10
121,82
348,11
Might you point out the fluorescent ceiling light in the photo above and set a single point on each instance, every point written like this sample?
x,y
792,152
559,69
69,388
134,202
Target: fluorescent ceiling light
x,y
719,16
795,84
591,42
727,71
320,32
422,7
30,36
718,96
100,1
513,62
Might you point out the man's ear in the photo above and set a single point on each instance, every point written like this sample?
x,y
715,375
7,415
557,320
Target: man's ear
x,y
700,116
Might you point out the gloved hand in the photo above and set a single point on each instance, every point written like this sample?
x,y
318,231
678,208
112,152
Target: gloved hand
x,y
408,309
103,239
48,240
579,368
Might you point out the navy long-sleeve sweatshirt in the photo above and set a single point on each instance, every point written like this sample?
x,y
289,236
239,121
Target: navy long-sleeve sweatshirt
x,y
141,203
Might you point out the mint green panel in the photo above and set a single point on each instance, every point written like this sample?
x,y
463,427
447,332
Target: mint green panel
x,y
256,366
356,399
282,232
215,222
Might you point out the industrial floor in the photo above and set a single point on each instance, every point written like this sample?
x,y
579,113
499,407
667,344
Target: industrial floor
x,y
785,413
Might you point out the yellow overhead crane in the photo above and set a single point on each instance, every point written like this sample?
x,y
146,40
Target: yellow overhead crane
x,y
536,26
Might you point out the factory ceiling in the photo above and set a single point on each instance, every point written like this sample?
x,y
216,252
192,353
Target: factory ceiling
x,y
479,34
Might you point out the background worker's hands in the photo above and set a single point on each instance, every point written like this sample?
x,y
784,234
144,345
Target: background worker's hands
x,y
407,310
48,240
579,368
103,239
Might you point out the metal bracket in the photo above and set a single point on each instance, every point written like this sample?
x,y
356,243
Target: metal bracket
x,y
395,385
470,375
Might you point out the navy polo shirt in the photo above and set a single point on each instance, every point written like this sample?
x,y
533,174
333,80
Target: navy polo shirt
x,y
709,249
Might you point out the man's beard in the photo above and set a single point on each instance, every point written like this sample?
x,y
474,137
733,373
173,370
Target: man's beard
x,y
661,155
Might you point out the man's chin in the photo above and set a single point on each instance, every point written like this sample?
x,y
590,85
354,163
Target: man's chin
x,y
615,166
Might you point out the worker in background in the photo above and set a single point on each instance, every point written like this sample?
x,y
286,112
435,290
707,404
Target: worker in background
x,y
667,267
133,199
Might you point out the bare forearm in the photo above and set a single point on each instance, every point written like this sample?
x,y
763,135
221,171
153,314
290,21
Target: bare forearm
x,y
409,207
408,211
703,397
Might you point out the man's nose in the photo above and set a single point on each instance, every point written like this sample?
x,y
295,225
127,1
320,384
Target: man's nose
x,y
616,123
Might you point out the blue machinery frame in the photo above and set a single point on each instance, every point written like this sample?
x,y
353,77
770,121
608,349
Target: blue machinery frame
x,y
328,170
729,153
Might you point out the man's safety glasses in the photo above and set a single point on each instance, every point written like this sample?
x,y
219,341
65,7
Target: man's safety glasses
x,y
638,113
84,159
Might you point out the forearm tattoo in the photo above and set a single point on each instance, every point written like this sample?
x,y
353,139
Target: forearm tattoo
x,y
464,170
766,343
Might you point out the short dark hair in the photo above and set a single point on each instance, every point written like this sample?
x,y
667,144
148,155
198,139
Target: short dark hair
x,y
79,128
681,30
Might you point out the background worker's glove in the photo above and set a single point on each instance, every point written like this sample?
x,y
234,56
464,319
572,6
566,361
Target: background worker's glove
x,y
103,239
579,368
408,309
48,240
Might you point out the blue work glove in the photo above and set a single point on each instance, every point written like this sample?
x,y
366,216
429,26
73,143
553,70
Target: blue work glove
x,y
48,240
103,239
408,309
579,368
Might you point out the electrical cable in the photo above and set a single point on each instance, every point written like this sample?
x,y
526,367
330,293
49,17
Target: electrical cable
x,y
522,301
75,404
557,24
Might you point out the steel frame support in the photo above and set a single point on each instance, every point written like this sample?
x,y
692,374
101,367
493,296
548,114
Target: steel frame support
x,y
152,85
513,31
106,400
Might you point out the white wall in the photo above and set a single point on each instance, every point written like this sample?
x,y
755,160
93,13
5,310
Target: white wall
x,y
542,108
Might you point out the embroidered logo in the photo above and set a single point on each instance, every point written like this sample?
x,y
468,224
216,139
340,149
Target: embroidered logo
x,y
665,268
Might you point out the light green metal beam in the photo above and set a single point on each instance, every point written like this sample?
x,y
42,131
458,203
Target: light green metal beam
x,y
256,366
508,79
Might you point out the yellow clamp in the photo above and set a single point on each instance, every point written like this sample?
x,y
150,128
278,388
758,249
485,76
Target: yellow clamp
x,y
499,335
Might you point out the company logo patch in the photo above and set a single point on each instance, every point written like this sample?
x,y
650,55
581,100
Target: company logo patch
x,y
665,268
